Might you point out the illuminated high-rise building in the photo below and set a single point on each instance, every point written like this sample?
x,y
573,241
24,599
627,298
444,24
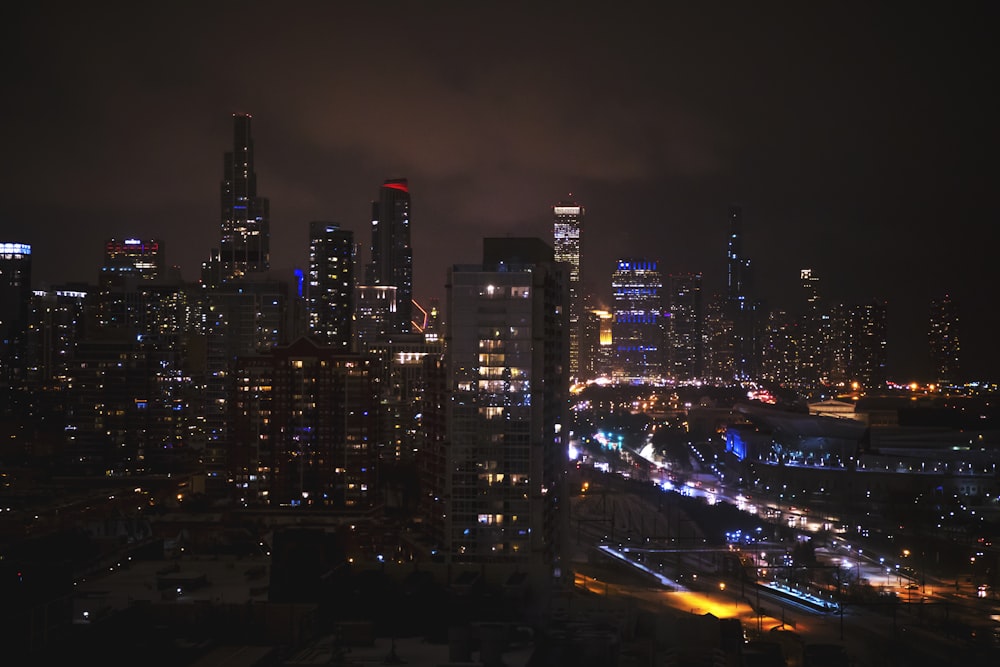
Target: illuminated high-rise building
x,y
944,341
780,341
245,239
719,340
568,248
740,305
637,329
596,344
57,325
685,327
330,295
391,252
867,360
129,265
125,259
814,343
304,418
15,299
507,453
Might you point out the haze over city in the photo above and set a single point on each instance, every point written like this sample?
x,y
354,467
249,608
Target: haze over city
x,y
856,138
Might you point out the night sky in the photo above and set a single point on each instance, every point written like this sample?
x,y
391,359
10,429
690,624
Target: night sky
x,y
860,139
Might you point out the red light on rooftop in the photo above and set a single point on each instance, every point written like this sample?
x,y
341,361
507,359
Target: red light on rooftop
x,y
397,185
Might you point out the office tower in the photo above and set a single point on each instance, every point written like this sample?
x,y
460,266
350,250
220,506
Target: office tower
x,y
391,252
58,316
507,363
685,327
240,318
814,345
330,296
375,307
867,361
739,301
637,330
131,258
597,344
944,340
399,367
129,264
244,245
568,248
810,289
15,297
719,341
130,408
304,422
780,340
738,266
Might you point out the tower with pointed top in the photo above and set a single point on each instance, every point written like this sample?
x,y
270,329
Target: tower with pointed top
x,y
245,230
739,301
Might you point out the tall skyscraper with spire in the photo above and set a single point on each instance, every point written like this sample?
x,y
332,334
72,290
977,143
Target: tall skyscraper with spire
x,y
568,248
740,305
245,239
391,253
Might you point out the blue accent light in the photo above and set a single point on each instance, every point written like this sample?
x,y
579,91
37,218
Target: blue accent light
x,y
299,279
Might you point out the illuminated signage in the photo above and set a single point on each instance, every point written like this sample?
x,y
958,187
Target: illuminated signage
x,y
15,249
567,210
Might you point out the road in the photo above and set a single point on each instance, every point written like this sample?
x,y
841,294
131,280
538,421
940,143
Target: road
x,y
881,633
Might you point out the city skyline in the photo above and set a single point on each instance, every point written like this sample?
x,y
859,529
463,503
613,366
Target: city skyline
x,y
852,141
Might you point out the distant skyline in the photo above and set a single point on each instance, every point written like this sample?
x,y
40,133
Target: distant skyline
x,y
859,140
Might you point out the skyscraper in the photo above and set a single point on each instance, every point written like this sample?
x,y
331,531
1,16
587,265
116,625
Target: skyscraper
x,y
391,252
867,330
245,242
304,419
330,297
15,300
685,326
131,258
129,264
637,329
944,341
815,333
739,301
568,248
506,361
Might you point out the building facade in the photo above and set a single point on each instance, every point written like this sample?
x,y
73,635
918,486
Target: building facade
x,y
638,325
568,248
245,227
330,295
740,304
15,298
685,327
304,421
944,340
507,361
392,252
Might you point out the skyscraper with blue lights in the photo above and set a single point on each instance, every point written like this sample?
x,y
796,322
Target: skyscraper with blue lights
x,y
637,329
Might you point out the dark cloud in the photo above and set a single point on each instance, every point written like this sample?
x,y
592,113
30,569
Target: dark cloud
x,y
859,138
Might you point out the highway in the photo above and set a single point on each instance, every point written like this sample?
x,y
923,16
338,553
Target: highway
x,y
914,627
